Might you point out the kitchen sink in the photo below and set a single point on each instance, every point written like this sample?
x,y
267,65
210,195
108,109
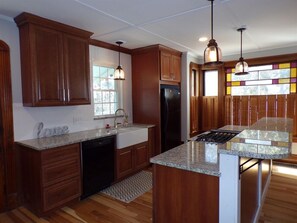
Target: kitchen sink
x,y
128,136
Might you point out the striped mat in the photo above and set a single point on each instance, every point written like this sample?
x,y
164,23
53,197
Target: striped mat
x,y
129,189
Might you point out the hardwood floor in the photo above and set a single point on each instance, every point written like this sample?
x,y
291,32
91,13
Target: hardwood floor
x,y
98,208
281,200
280,207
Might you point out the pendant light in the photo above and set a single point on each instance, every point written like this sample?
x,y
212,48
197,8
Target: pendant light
x,y
241,67
119,73
212,54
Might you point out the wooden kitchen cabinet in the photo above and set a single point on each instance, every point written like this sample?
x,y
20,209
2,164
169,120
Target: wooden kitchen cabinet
x,y
54,62
132,159
146,82
170,66
49,178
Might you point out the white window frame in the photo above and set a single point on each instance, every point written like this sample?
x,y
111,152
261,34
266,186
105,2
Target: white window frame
x,y
118,89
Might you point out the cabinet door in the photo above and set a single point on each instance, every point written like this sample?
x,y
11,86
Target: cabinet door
x,y
175,68
165,66
47,68
141,156
124,162
170,67
77,74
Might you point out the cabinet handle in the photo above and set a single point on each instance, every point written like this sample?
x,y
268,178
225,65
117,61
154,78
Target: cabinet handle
x,y
68,94
63,92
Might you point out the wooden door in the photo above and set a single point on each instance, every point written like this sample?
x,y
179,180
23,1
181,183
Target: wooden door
x,y
8,197
194,99
77,74
47,67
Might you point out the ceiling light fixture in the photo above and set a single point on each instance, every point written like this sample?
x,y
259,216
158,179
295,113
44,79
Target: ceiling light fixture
x,y
212,54
119,73
203,39
241,67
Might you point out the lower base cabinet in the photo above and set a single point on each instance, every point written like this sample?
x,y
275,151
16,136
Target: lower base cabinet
x,y
49,178
132,159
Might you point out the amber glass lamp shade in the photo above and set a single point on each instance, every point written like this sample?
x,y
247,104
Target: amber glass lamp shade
x,y
212,54
241,67
119,73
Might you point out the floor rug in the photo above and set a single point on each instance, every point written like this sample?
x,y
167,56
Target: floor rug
x,y
129,189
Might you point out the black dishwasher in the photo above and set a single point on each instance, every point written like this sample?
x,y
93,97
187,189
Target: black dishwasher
x,y
97,164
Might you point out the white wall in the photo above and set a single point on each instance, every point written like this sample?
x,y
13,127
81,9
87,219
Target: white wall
x,y
76,117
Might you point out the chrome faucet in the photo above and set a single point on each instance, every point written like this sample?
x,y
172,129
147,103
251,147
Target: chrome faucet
x,y
116,116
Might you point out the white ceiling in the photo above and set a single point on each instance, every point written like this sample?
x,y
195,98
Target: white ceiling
x,y
271,24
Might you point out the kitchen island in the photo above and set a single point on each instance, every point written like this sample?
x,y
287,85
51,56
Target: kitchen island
x,y
207,182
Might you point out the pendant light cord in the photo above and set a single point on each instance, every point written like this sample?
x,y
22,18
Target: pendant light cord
x,y
119,54
241,43
211,19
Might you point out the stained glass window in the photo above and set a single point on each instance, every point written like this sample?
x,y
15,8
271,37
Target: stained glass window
x,y
106,91
263,80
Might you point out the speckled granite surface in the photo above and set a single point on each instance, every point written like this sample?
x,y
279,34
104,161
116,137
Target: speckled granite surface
x,y
269,138
198,157
70,138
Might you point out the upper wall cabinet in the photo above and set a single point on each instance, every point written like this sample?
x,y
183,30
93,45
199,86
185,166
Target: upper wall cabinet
x,y
170,66
54,61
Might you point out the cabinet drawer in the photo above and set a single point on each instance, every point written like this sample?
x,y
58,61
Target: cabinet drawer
x,y
60,153
59,171
58,194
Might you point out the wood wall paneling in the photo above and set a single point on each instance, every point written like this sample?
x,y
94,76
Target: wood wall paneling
x,y
246,110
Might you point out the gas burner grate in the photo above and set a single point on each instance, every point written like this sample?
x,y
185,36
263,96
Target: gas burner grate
x,y
216,136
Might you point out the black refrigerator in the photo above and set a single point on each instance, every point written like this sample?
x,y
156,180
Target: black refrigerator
x,y
170,117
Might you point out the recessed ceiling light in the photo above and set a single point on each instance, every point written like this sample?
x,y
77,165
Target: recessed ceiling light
x,y
203,39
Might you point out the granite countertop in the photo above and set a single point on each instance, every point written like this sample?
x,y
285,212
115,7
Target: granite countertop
x,y
195,156
269,138
71,138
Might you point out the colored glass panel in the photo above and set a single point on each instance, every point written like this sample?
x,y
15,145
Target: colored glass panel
x,y
293,88
284,81
275,81
229,77
235,83
293,80
228,83
293,72
284,65
293,64
228,91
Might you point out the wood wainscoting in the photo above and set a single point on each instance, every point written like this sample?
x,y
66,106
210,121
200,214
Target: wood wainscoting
x,y
246,110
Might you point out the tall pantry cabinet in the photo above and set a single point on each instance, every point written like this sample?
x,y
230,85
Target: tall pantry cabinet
x,y
152,66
